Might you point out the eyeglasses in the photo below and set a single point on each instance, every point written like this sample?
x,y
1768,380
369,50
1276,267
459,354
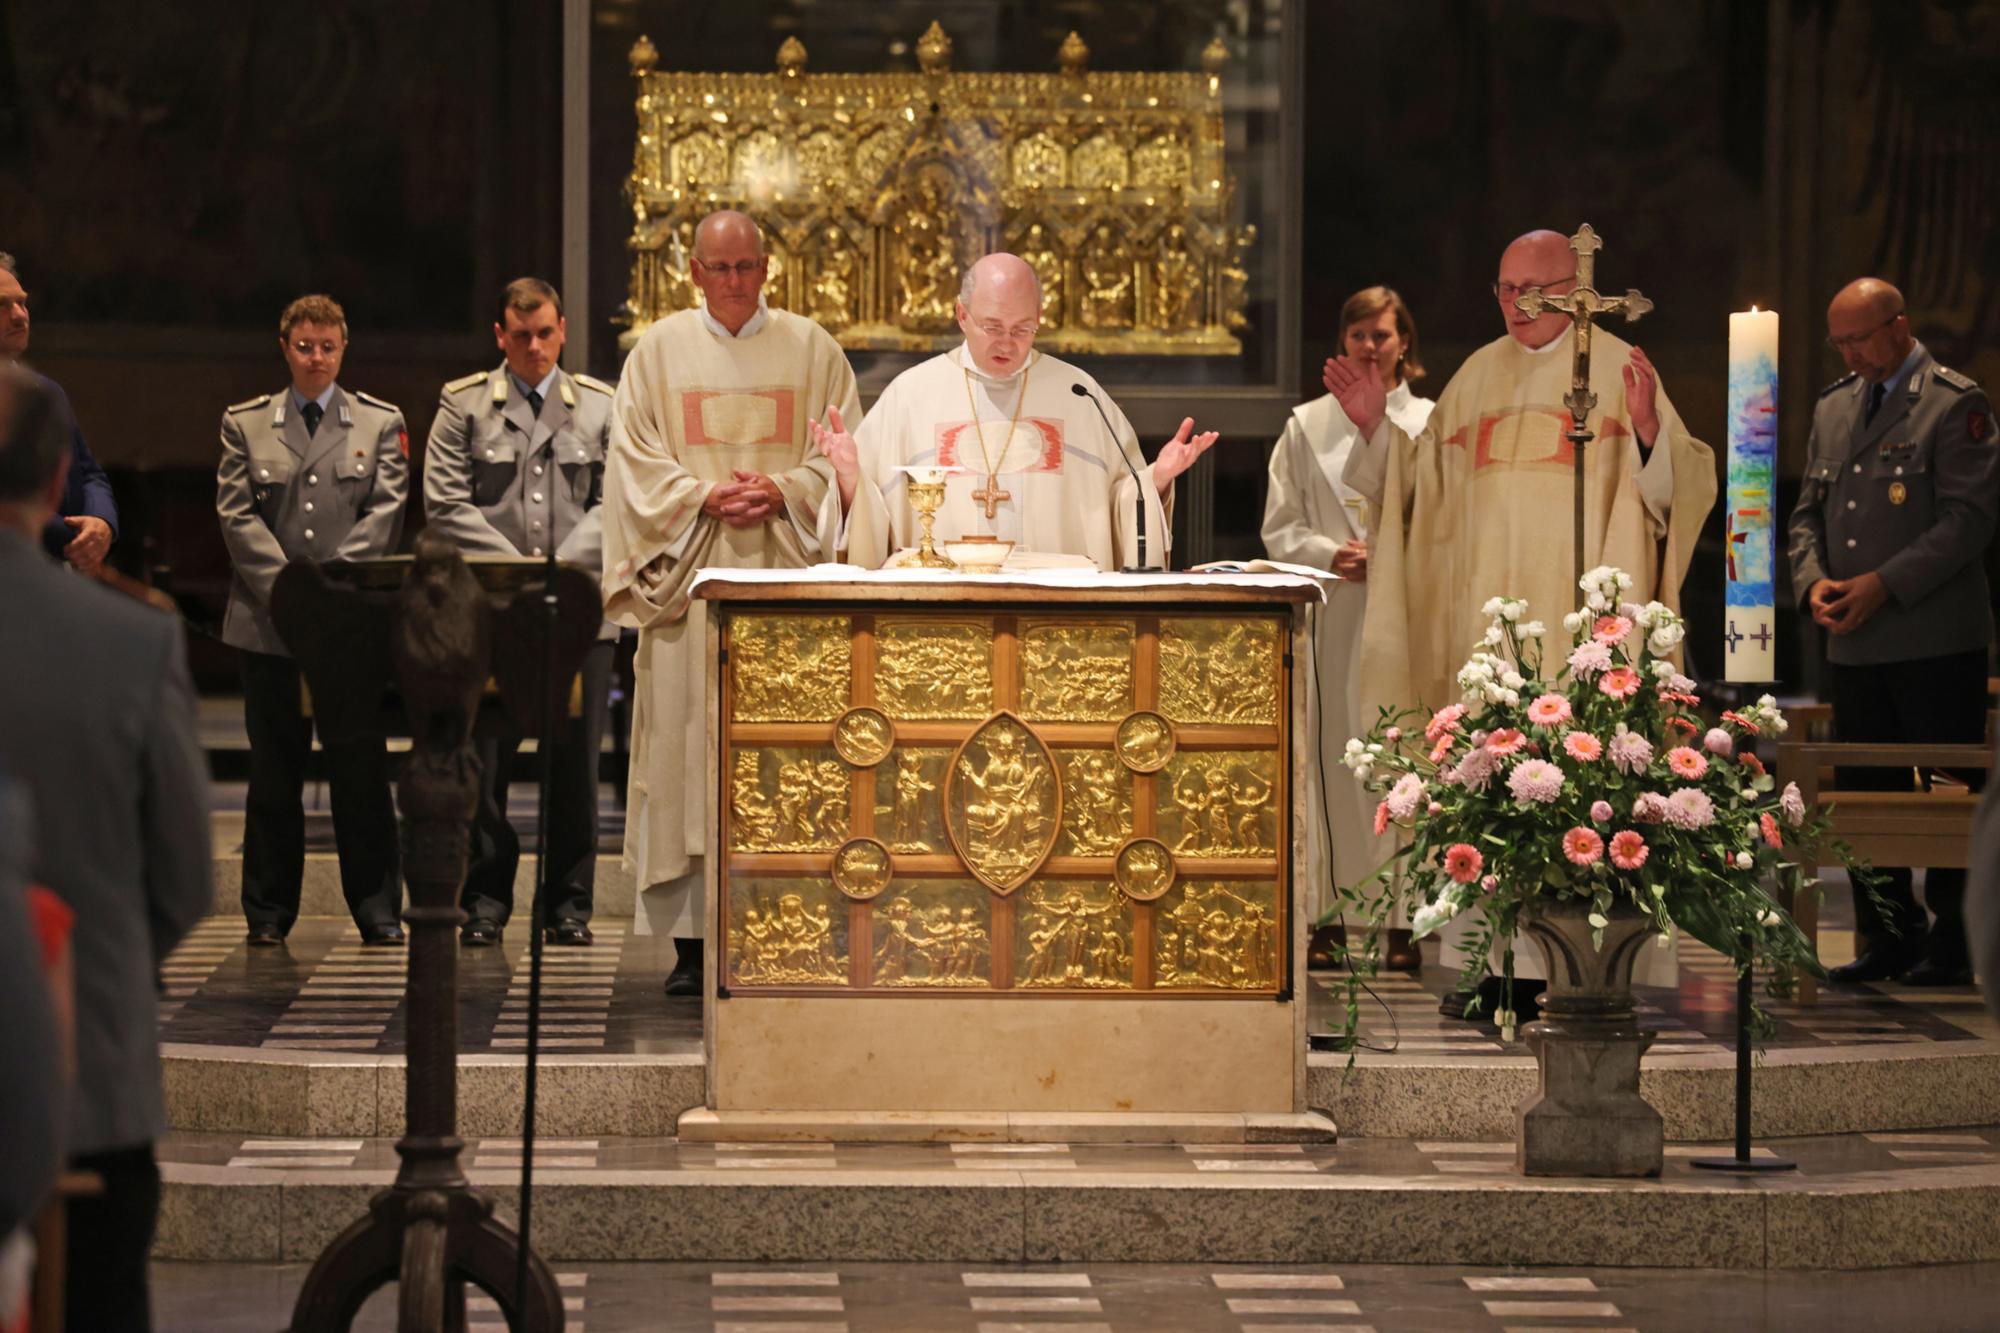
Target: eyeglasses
x,y
1019,333
1852,340
305,348
742,268
1508,291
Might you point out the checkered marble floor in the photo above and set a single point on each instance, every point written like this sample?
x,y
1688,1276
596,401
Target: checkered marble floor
x,y
1114,1298
324,991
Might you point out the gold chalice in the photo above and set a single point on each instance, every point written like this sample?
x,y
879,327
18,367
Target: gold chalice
x,y
927,494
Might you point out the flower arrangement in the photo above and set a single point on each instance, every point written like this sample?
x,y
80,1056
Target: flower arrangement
x,y
1600,780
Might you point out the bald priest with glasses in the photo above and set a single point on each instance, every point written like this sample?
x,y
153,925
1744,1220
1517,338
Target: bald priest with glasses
x,y
1042,457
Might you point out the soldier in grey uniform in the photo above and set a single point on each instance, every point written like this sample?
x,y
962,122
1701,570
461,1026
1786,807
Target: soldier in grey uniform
x,y
515,466
1887,540
312,472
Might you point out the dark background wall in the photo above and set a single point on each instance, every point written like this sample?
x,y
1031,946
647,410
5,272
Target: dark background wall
x,y
171,175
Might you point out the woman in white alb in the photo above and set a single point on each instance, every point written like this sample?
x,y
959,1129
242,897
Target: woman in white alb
x,y
1311,518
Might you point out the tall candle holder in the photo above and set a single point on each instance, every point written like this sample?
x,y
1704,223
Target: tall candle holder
x,y
927,495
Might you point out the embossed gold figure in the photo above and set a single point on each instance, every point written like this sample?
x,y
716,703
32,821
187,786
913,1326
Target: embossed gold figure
x,y
873,189
1145,742
1008,811
1216,937
930,948
792,944
1107,280
751,814
1214,670
1220,800
1097,802
911,788
863,737
1144,869
1073,939
932,669
788,668
1076,672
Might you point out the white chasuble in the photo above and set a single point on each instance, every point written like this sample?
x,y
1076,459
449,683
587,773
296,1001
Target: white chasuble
x,y
1479,503
693,406
1050,474
1309,513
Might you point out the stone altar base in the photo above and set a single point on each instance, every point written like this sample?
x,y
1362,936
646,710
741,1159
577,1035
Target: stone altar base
x,y
702,1125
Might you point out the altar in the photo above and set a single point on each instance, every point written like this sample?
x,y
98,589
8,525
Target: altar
x,y
1004,857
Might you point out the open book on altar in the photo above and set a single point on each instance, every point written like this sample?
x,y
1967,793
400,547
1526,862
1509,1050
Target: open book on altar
x,y
1265,567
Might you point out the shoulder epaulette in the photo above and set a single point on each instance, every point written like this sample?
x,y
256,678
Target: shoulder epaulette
x,y
467,381
249,403
1840,383
373,401
1952,379
592,382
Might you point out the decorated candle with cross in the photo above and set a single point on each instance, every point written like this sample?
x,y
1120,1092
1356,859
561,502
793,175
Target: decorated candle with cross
x,y
1749,616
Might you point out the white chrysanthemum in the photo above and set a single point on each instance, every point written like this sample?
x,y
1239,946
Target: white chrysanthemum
x,y
1534,629
1573,621
1513,680
1492,607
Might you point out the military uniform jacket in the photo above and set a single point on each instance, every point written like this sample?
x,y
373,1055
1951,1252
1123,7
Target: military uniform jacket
x,y
283,495
500,480
1911,495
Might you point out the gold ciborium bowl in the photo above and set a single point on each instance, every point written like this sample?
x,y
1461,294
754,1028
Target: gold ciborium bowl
x,y
979,555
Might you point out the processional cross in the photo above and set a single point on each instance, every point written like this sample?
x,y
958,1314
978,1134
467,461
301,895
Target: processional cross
x,y
1583,304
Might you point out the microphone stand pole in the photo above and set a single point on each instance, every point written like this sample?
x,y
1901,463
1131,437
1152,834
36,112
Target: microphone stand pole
x,y
1144,566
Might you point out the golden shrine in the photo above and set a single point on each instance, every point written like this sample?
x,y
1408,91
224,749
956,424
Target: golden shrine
x,y
875,191
980,847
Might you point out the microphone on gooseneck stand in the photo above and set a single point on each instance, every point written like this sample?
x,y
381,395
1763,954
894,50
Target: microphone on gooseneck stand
x,y
1144,566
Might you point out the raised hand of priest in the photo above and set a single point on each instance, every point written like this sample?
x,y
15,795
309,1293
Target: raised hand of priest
x,y
1359,388
1642,397
1178,454
1351,561
837,443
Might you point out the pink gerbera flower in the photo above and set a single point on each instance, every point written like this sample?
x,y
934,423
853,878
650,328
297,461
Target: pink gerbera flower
x,y
1628,850
1610,630
1582,745
1381,818
1505,741
1749,760
1443,721
1687,763
1442,748
1548,710
1583,846
1769,828
1462,862
1737,719
1619,682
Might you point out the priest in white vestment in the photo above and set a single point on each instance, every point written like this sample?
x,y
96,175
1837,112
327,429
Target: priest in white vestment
x,y
1479,502
1036,462
1313,517
711,464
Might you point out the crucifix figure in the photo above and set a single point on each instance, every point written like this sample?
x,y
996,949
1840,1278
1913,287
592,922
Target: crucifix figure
x,y
992,496
1583,304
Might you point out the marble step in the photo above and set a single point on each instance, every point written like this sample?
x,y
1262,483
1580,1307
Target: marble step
x,y
1852,1204
1872,1088
319,890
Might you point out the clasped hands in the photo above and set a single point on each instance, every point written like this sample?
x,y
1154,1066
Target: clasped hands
x,y
1845,605
836,442
744,502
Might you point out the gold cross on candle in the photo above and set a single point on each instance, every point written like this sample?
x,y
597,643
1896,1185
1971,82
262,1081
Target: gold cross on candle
x,y
991,495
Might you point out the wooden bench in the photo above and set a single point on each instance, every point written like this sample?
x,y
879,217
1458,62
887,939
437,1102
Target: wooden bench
x,y
1929,829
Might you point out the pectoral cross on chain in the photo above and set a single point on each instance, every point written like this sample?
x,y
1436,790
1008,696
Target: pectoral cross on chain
x,y
1583,304
991,496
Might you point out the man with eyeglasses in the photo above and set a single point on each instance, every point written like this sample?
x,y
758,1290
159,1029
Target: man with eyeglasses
x,y
1036,462
1887,542
86,523
514,467
1480,501
710,464
312,472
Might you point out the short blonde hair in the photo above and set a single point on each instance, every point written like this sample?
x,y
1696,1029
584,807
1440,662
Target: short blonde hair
x,y
1369,303
314,309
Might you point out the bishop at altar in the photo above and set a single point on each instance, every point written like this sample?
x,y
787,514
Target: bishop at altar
x,y
1036,462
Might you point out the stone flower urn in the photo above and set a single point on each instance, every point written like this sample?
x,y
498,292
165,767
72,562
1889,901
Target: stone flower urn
x,y
1587,1117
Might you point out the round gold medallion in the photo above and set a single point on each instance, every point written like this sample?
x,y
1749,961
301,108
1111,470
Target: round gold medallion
x,y
1898,492
1145,742
861,868
1143,869
864,736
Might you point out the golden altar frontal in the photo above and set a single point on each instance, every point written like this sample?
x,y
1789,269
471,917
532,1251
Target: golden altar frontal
x,y
997,849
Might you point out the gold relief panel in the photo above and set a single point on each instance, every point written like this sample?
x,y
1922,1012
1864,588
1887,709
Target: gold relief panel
x,y
1145,742
862,868
1213,669
787,668
1220,803
1144,869
1073,935
1221,936
787,799
787,932
1003,802
934,669
1076,671
1097,803
909,812
938,933
864,736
